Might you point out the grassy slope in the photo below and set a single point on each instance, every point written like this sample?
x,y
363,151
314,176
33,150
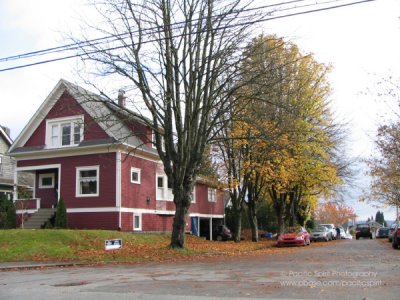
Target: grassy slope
x,y
88,245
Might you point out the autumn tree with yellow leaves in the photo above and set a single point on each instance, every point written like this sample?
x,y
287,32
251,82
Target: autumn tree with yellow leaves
x,y
287,129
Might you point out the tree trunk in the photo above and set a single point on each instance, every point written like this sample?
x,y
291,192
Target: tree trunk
x,y
182,200
253,221
237,219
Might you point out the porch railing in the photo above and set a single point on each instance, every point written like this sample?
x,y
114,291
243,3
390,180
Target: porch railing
x,y
25,205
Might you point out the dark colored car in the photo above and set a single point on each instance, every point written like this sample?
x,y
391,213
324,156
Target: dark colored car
x,y
396,237
382,233
222,233
391,230
363,230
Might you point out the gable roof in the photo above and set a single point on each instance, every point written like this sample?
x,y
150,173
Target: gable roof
x,y
5,136
102,110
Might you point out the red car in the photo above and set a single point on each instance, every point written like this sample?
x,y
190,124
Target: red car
x,y
294,236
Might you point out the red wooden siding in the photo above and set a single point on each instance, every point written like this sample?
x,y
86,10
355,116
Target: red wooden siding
x,y
134,195
107,190
93,220
203,206
162,223
126,221
66,106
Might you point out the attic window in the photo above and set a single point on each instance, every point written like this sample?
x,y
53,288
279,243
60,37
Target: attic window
x,y
64,132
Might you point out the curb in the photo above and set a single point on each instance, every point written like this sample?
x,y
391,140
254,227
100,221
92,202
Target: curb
x,y
34,265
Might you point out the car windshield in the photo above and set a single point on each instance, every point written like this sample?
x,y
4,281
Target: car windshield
x,y
327,226
360,226
293,229
320,228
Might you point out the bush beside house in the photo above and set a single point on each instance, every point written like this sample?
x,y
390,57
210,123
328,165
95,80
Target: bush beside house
x,y
61,215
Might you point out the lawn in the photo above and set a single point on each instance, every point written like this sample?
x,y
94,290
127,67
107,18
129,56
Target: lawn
x,y
88,246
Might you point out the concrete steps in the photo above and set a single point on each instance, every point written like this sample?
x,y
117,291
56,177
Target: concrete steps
x,y
38,219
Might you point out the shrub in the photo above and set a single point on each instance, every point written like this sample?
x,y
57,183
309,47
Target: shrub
x,y
61,215
7,213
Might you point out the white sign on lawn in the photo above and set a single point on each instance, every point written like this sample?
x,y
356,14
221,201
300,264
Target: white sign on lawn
x,y
113,244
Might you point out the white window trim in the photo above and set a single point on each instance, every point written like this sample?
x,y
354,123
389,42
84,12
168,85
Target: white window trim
x,y
45,175
139,171
194,195
77,181
213,193
59,121
140,222
165,190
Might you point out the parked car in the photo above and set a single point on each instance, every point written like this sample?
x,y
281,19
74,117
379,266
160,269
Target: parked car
x,y
382,233
222,233
391,230
294,236
348,236
342,233
396,237
363,230
320,233
332,230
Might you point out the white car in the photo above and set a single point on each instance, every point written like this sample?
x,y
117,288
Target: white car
x,y
320,233
332,229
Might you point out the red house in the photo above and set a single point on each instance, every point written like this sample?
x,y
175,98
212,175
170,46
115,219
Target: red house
x,y
105,168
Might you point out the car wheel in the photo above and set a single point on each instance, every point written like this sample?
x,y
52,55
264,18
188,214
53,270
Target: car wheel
x,y
219,238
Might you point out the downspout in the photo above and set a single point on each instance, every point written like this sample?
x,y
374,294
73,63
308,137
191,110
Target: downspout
x,y
118,187
15,190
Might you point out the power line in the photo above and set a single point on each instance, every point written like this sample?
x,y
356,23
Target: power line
x,y
158,39
92,42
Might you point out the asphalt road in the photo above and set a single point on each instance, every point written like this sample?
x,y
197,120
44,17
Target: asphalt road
x,y
347,269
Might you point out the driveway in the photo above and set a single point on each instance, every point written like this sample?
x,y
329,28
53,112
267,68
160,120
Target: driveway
x,y
346,269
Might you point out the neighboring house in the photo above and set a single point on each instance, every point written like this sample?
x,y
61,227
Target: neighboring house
x,y
7,168
106,168
6,164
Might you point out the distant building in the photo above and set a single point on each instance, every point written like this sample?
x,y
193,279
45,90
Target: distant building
x,y
7,169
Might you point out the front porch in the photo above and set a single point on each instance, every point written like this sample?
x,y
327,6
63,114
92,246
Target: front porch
x,y
30,215
46,182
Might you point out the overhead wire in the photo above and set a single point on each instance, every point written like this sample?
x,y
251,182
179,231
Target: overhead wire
x,y
119,37
77,45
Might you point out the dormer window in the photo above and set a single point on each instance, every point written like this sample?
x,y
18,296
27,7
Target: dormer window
x,y
64,132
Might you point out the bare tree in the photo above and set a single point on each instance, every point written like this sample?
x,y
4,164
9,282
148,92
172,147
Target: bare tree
x,y
180,58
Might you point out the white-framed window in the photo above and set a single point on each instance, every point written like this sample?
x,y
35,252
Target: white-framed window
x,y
137,222
46,181
212,195
87,181
136,175
64,132
164,188
194,194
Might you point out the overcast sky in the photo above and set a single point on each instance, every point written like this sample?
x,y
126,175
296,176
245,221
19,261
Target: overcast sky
x,y
361,42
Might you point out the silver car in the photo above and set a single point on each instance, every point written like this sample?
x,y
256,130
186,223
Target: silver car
x,y
332,230
320,233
